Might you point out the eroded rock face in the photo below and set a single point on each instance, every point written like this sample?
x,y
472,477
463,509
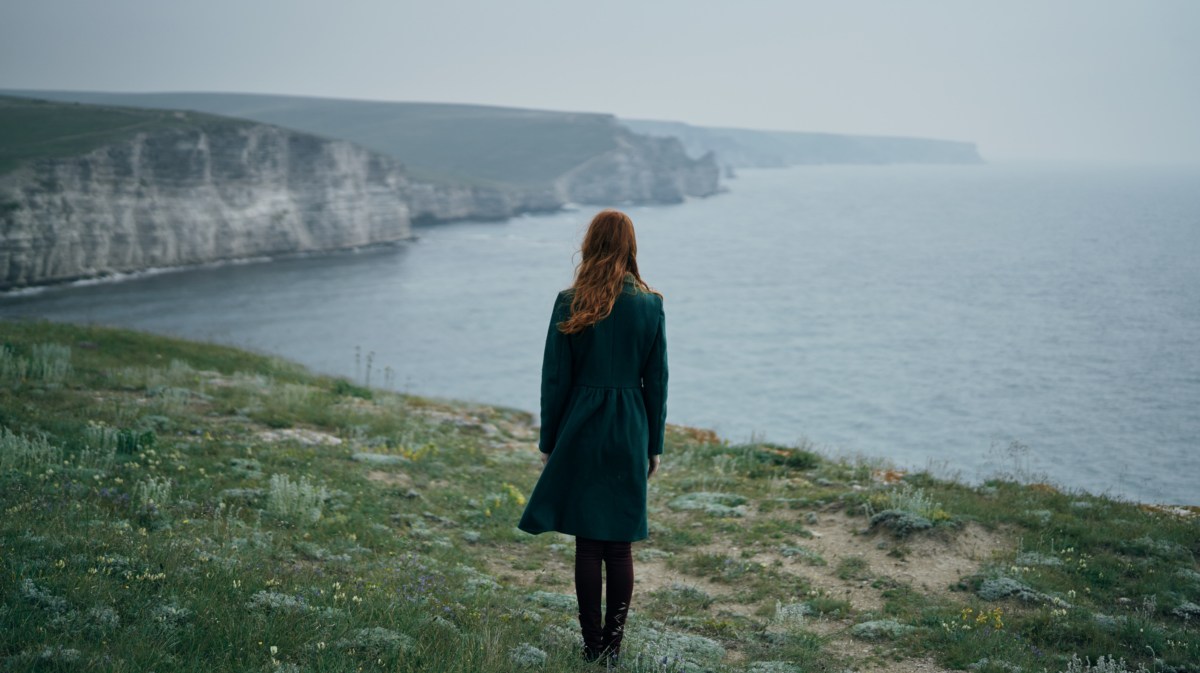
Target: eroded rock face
x,y
641,169
191,195
430,202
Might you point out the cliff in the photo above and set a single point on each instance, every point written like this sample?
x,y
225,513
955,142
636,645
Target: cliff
x,y
749,148
514,159
89,190
188,189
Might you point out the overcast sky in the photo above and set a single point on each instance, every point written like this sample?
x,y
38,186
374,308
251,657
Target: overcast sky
x,y
1106,80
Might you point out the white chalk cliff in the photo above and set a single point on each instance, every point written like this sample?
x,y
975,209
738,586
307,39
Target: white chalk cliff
x,y
204,189
191,195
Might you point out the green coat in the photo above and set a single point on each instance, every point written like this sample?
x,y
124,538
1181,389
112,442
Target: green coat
x,y
604,407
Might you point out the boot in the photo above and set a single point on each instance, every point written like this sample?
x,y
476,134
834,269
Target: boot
x,y
593,635
591,654
610,644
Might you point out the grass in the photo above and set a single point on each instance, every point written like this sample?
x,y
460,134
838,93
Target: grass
x,y
170,505
35,129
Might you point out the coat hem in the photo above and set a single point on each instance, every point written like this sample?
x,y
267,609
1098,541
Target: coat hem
x,y
567,532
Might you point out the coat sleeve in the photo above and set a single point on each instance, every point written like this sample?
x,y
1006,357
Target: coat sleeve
x,y
654,386
556,374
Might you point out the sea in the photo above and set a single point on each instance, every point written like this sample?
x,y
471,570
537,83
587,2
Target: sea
x,y
1038,321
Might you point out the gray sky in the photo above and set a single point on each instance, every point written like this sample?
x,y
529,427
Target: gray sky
x,y
1106,80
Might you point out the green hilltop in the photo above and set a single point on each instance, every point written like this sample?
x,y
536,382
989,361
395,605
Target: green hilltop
x,y
181,506
35,129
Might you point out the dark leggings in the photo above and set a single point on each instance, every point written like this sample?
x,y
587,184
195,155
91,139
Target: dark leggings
x,y
617,558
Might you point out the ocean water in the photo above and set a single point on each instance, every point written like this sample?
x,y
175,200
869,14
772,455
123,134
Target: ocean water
x,y
971,320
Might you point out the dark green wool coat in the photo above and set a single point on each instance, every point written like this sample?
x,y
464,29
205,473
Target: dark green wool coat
x,y
604,407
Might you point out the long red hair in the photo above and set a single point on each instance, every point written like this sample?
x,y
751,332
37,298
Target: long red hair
x,y
608,253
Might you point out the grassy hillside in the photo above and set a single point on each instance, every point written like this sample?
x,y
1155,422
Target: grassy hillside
x,y
434,140
32,129
170,505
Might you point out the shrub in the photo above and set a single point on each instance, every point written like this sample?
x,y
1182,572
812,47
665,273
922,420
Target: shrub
x,y
527,656
300,500
900,522
880,630
713,504
914,501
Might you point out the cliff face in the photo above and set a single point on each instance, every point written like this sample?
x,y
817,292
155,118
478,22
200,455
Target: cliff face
x,y
529,159
191,195
143,189
440,202
641,169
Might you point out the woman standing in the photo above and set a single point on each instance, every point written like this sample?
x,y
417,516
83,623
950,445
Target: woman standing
x,y
604,406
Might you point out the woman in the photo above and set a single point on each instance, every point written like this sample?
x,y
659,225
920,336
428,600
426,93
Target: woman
x,y
604,406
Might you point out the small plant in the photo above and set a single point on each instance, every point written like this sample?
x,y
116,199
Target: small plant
x,y
101,436
915,501
12,366
527,656
711,503
293,395
881,629
50,362
342,387
300,500
679,598
905,510
827,605
26,454
154,492
133,441
853,568
180,372
1102,665
969,619
375,642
